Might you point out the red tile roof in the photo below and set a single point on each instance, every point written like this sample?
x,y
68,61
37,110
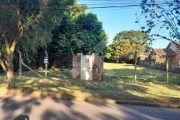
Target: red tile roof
x,y
161,51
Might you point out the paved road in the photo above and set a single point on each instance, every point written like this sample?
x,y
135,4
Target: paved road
x,y
17,108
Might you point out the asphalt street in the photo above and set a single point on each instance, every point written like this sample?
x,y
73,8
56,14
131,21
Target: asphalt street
x,y
24,108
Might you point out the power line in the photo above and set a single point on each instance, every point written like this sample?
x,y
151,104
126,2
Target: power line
x,y
98,7
113,6
110,5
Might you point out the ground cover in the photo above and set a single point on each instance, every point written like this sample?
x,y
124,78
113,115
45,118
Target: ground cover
x,y
117,85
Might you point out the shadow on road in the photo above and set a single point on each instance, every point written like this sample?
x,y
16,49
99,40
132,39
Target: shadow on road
x,y
11,105
13,108
22,117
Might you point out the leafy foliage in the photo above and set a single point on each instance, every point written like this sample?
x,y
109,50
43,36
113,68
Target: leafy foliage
x,y
89,30
79,32
63,34
121,50
127,43
161,19
26,25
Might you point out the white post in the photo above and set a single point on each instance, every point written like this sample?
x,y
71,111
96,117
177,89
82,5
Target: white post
x,y
46,63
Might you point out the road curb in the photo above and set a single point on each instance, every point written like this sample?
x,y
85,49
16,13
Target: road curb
x,y
103,101
142,103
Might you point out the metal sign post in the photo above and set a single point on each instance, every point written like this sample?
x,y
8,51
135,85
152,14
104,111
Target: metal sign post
x,y
46,65
46,62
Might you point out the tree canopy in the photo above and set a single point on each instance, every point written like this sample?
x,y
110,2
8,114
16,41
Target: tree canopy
x,y
26,25
80,32
162,19
63,35
127,43
89,31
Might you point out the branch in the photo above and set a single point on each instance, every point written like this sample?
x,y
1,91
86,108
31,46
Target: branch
x,y
173,24
3,65
13,46
7,46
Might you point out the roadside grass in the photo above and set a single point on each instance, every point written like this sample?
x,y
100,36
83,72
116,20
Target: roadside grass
x,y
117,84
123,73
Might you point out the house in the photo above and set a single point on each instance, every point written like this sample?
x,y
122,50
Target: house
x,y
159,55
143,56
175,46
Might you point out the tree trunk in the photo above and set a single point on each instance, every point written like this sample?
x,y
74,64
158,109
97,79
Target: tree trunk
x,y
10,77
7,65
135,67
10,71
117,60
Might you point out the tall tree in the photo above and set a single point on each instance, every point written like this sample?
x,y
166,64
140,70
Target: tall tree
x,y
130,44
89,31
63,39
26,24
79,31
160,19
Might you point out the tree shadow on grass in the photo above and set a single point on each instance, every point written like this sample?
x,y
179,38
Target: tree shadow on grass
x,y
113,87
143,75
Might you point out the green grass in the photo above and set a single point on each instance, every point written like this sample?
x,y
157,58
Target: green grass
x,y
117,84
123,73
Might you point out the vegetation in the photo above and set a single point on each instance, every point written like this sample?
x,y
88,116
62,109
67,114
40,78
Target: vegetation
x,y
29,26
63,35
119,50
90,32
129,45
81,33
118,85
26,25
159,18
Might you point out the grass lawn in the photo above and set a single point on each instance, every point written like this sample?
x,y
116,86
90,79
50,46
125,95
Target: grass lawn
x,y
118,85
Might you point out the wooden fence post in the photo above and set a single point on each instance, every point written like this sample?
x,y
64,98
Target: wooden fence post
x,y
167,69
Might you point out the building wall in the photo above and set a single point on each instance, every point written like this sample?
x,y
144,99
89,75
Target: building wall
x,y
172,46
87,67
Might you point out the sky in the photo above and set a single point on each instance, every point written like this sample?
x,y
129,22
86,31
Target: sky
x,y
118,19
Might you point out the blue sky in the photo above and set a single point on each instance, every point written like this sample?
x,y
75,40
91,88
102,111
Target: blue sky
x,y
116,20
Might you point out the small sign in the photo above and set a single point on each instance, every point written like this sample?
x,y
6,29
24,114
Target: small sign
x,y
45,60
